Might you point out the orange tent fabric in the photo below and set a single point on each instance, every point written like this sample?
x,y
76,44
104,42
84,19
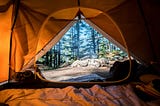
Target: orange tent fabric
x,y
5,33
39,22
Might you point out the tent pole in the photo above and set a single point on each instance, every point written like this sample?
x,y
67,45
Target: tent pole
x,y
78,3
16,4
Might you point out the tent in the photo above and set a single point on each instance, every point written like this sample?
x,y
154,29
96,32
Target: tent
x,y
28,28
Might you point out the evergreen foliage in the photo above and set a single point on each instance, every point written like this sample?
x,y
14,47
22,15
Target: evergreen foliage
x,y
81,41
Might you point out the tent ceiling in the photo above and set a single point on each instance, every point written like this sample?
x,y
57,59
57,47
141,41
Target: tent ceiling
x,y
71,13
51,6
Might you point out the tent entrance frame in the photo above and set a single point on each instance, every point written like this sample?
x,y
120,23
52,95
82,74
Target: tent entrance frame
x,y
84,83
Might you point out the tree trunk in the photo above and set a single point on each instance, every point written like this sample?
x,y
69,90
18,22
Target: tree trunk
x,y
93,40
47,58
59,53
77,38
50,62
55,57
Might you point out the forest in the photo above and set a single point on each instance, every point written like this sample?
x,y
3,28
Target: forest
x,y
80,42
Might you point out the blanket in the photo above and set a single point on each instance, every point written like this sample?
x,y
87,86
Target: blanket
x,y
116,95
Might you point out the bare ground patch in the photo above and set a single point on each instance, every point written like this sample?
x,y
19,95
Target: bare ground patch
x,y
69,72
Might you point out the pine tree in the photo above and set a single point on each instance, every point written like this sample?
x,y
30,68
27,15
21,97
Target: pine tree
x,y
80,41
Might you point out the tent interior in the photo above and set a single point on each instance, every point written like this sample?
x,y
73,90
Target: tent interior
x,y
29,28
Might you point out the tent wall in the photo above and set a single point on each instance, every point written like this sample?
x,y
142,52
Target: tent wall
x,y
129,20
5,31
133,20
24,38
28,39
151,15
